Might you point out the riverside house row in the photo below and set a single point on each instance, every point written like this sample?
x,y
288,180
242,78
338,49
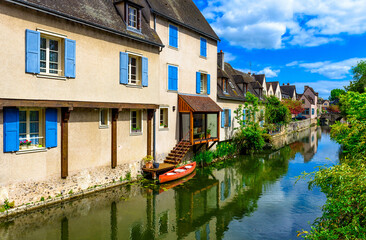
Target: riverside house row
x,y
95,86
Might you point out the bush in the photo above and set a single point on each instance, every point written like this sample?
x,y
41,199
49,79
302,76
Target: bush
x,y
205,157
225,149
267,137
249,139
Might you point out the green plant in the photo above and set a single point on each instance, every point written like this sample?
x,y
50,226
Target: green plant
x,y
128,176
267,137
205,157
71,192
59,195
208,131
249,139
121,179
276,112
224,149
148,158
42,199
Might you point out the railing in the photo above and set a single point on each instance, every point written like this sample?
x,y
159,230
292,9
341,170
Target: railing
x,y
181,143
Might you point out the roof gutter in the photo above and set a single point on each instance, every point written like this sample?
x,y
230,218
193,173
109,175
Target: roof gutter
x,y
73,19
185,25
231,98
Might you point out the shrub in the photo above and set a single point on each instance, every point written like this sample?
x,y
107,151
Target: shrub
x,y
225,149
205,157
249,139
267,137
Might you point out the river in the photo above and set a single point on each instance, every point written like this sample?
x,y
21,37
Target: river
x,y
248,197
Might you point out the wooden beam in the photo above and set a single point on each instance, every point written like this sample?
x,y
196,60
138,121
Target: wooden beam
x,y
115,113
191,127
65,116
72,104
150,115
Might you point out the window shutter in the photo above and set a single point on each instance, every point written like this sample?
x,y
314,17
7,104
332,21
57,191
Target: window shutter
x,y
32,51
173,78
208,84
70,57
203,47
229,117
173,36
145,72
11,129
244,117
51,127
198,82
223,119
123,68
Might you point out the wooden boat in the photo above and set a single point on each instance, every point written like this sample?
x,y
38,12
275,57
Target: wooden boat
x,y
177,173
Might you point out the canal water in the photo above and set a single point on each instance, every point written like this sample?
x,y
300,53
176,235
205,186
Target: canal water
x,y
248,197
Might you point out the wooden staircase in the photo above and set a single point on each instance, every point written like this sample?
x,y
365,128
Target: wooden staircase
x,y
179,151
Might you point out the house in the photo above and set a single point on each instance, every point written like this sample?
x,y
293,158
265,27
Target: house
x,y
97,85
288,91
261,79
273,89
309,99
232,87
188,64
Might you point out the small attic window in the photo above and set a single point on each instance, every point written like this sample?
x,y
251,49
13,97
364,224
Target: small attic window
x,y
133,16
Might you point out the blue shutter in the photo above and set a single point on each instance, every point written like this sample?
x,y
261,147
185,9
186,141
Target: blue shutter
x,y
244,116
173,78
51,127
32,51
123,68
70,58
173,36
229,117
11,129
208,84
145,72
198,82
203,47
223,119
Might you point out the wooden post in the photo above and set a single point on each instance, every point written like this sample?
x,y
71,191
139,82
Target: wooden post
x,y
65,116
191,127
115,113
150,115
218,126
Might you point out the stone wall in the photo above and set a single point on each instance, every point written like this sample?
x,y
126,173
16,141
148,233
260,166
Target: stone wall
x,y
30,192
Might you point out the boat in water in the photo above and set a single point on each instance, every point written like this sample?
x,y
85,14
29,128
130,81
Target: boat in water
x,y
177,173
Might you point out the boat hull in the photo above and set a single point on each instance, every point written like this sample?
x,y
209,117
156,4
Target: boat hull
x,y
166,177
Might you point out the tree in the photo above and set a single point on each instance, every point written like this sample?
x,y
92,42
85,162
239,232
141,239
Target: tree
x,y
359,78
294,106
336,93
276,112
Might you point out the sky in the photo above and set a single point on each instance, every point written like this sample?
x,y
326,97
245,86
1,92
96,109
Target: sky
x,y
301,42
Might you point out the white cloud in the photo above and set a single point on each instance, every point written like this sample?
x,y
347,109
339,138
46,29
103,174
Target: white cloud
x,y
323,87
269,72
268,24
291,64
332,70
229,57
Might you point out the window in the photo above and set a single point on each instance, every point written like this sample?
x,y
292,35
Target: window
x,y
303,101
132,17
173,36
227,117
134,69
306,111
164,117
203,47
203,83
172,78
136,121
325,104
103,118
312,111
224,85
50,58
31,128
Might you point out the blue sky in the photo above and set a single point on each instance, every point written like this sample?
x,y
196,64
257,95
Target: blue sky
x,y
301,42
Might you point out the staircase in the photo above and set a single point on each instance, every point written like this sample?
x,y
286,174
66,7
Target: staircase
x,y
179,151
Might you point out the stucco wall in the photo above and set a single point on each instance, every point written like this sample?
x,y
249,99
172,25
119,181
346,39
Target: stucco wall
x,y
97,62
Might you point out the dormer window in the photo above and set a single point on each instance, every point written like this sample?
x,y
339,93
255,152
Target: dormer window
x,y
132,17
224,85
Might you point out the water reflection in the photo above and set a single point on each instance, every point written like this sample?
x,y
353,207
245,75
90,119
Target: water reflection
x,y
250,197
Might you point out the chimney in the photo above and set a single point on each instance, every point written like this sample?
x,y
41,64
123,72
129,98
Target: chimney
x,y
288,84
249,73
221,60
283,84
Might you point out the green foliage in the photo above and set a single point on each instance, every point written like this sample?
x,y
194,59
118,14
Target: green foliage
x,y
71,192
249,139
204,157
267,137
42,199
344,214
276,112
128,176
336,94
359,78
225,149
251,106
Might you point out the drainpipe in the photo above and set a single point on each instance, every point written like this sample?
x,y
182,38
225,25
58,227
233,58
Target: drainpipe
x,y
154,137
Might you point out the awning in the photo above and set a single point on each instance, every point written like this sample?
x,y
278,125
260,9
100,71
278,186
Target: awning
x,y
194,103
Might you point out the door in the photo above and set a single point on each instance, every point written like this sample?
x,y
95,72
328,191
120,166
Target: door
x,y
185,126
